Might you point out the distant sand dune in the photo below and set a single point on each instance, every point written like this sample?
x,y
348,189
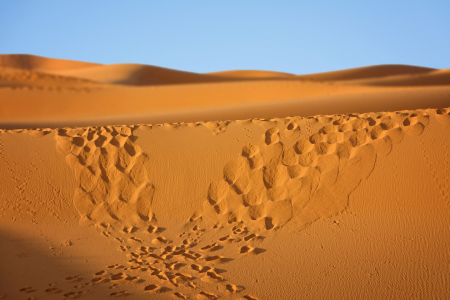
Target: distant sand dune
x,y
368,72
130,93
33,62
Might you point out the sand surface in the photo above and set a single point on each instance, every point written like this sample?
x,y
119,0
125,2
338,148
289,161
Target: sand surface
x,y
143,182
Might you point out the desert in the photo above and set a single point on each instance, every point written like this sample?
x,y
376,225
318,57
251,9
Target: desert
x,y
145,182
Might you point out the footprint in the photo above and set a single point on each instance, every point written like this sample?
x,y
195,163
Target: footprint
x,y
248,297
246,249
75,295
195,216
187,243
133,279
228,240
170,249
224,239
27,290
135,239
250,237
154,288
172,265
115,266
211,248
134,254
180,295
209,295
76,278
119,294
192,255
185,276
118,277
212,277
200,269
250,250
125,248
98,280
160,240
130,229
152,229
106,233
144,249
215,259
238,230
233,288
54,290
119,240
100,273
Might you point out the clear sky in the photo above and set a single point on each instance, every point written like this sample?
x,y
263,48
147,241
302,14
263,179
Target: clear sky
x,y
204,36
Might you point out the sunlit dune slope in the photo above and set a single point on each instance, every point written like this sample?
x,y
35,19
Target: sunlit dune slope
x,y
248,209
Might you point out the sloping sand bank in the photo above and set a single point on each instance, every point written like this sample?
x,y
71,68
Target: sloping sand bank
x,y
338,204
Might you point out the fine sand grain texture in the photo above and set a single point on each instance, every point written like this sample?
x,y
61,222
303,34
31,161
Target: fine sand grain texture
x,y
227,185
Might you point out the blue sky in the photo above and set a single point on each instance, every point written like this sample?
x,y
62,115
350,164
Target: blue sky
x,y
205,36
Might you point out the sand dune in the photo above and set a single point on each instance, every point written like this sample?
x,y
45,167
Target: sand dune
x,y
147,94
368,72
262,186
252,74
138,75
33,62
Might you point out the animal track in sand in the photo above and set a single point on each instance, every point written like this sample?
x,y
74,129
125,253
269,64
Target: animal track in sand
x,y
75,295
212,277
228,240
270,185
160,240
27,290
123,293
154,229
172,265
125,248
251,237
180,295
250,250
100,273
135,239
211,248
208,295
248,297
234,288
130,229
53,290
76,278
152,288
113,184
199,268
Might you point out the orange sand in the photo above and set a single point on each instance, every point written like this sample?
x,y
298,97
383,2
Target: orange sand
x,y
140,181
